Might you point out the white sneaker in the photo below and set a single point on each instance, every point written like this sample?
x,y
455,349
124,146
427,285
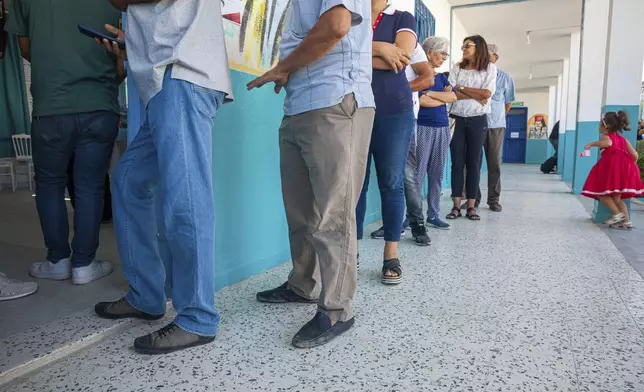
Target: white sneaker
x,y
12,288
48,270
96,270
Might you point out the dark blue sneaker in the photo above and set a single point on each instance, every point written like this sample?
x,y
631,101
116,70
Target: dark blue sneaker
x,y
380,233
438,224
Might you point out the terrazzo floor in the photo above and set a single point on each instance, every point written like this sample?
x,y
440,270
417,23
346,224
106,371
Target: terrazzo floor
x,y
536,298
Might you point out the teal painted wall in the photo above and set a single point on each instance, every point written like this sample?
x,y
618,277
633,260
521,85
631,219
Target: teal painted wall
x,y
587,131
601,213
569,153
536,151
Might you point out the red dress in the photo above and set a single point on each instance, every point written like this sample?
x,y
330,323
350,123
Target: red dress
x,y
615,173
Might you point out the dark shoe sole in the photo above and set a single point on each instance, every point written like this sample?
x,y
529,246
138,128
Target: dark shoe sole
x,y
140,316
422,244
438,227
326,337
167,350
286,301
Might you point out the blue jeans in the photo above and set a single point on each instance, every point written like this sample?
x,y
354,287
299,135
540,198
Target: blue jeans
x,y
55,139
390,141
164,211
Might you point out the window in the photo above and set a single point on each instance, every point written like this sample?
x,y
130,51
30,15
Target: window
x,y
425,21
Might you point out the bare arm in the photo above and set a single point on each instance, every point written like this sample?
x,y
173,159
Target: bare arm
x,y
332,26
442,96
603,142
508,107
474,93
25,46
427,102
632,151
425,77
387,56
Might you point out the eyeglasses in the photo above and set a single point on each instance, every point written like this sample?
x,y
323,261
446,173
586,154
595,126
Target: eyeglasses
x,y
467,46
444,54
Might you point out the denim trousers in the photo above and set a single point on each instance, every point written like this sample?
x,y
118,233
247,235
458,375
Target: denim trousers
x,y
427,156
89,137
163,205
390,141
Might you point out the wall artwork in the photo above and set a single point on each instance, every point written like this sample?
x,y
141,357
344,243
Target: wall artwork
x,y
538,126
253,29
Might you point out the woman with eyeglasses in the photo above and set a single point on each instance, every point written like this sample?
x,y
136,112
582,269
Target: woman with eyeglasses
x,y
428,150
394,40
474,81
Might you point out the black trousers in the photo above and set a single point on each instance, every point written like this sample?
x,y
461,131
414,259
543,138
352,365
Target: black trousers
x,y
467,149
107,197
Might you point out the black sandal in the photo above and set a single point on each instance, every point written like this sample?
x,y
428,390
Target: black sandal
x,y
454,214
472,215
392,265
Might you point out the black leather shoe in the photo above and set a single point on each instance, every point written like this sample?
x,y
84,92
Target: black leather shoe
x,y
281,295
319,331
169,339
122,309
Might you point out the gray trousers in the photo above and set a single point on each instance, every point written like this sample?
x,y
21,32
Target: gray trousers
x,y
492,145
427,155
323,155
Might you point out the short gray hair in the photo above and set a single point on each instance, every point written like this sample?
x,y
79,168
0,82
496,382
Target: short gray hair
x,y
436,44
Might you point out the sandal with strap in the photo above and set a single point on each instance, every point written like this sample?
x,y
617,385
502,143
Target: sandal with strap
x,y
623,226
392,265
472,215
454,214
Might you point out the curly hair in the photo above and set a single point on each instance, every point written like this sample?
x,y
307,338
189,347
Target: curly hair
x,y
616,122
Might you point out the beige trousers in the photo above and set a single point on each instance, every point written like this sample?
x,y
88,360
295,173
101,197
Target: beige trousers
x,y
323,155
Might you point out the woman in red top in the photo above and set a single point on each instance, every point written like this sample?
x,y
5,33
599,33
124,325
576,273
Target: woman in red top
x,y
616,176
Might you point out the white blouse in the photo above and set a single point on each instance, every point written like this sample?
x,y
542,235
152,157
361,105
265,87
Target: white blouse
x,y
476,79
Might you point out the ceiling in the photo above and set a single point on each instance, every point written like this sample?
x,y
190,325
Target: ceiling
x,y
550,21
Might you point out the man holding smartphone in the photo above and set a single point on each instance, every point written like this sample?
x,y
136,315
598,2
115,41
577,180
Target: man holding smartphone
x,y
74,85
162,186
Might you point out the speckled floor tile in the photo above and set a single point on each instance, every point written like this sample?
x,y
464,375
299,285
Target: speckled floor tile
x,y
536,298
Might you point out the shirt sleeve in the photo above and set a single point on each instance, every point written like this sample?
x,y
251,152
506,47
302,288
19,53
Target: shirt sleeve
x,y
18,19
490,79
452,75
406,22
354,6
419,55
509,91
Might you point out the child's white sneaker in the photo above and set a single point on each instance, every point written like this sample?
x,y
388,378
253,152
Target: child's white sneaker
x,y
96,270
615,219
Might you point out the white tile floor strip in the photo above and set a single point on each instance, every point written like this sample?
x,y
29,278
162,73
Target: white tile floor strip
x,y
536,298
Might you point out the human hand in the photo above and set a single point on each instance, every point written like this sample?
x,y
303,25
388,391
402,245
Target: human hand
x,y
119,4
483,101
588,146
397,58
111,46
448,88
275,75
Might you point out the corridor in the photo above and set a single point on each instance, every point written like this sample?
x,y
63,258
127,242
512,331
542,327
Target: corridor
x,y
536,298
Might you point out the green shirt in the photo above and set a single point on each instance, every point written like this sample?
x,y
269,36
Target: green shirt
x,y
70,73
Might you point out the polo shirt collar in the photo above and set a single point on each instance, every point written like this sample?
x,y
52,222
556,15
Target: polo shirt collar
x,y
390,10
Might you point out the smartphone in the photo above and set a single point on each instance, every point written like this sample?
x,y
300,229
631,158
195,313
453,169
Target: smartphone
x,y
96,34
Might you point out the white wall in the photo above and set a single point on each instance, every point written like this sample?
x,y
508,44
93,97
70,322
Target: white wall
x,y
441,10
536,103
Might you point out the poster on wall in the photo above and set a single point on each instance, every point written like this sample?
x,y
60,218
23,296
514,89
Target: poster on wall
x,y
538,127
253,29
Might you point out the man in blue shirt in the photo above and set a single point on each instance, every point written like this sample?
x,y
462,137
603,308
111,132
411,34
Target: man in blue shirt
x,y
501,104
325,67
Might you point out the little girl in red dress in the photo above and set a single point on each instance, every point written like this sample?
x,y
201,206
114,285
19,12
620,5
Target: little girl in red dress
x,y
616,176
